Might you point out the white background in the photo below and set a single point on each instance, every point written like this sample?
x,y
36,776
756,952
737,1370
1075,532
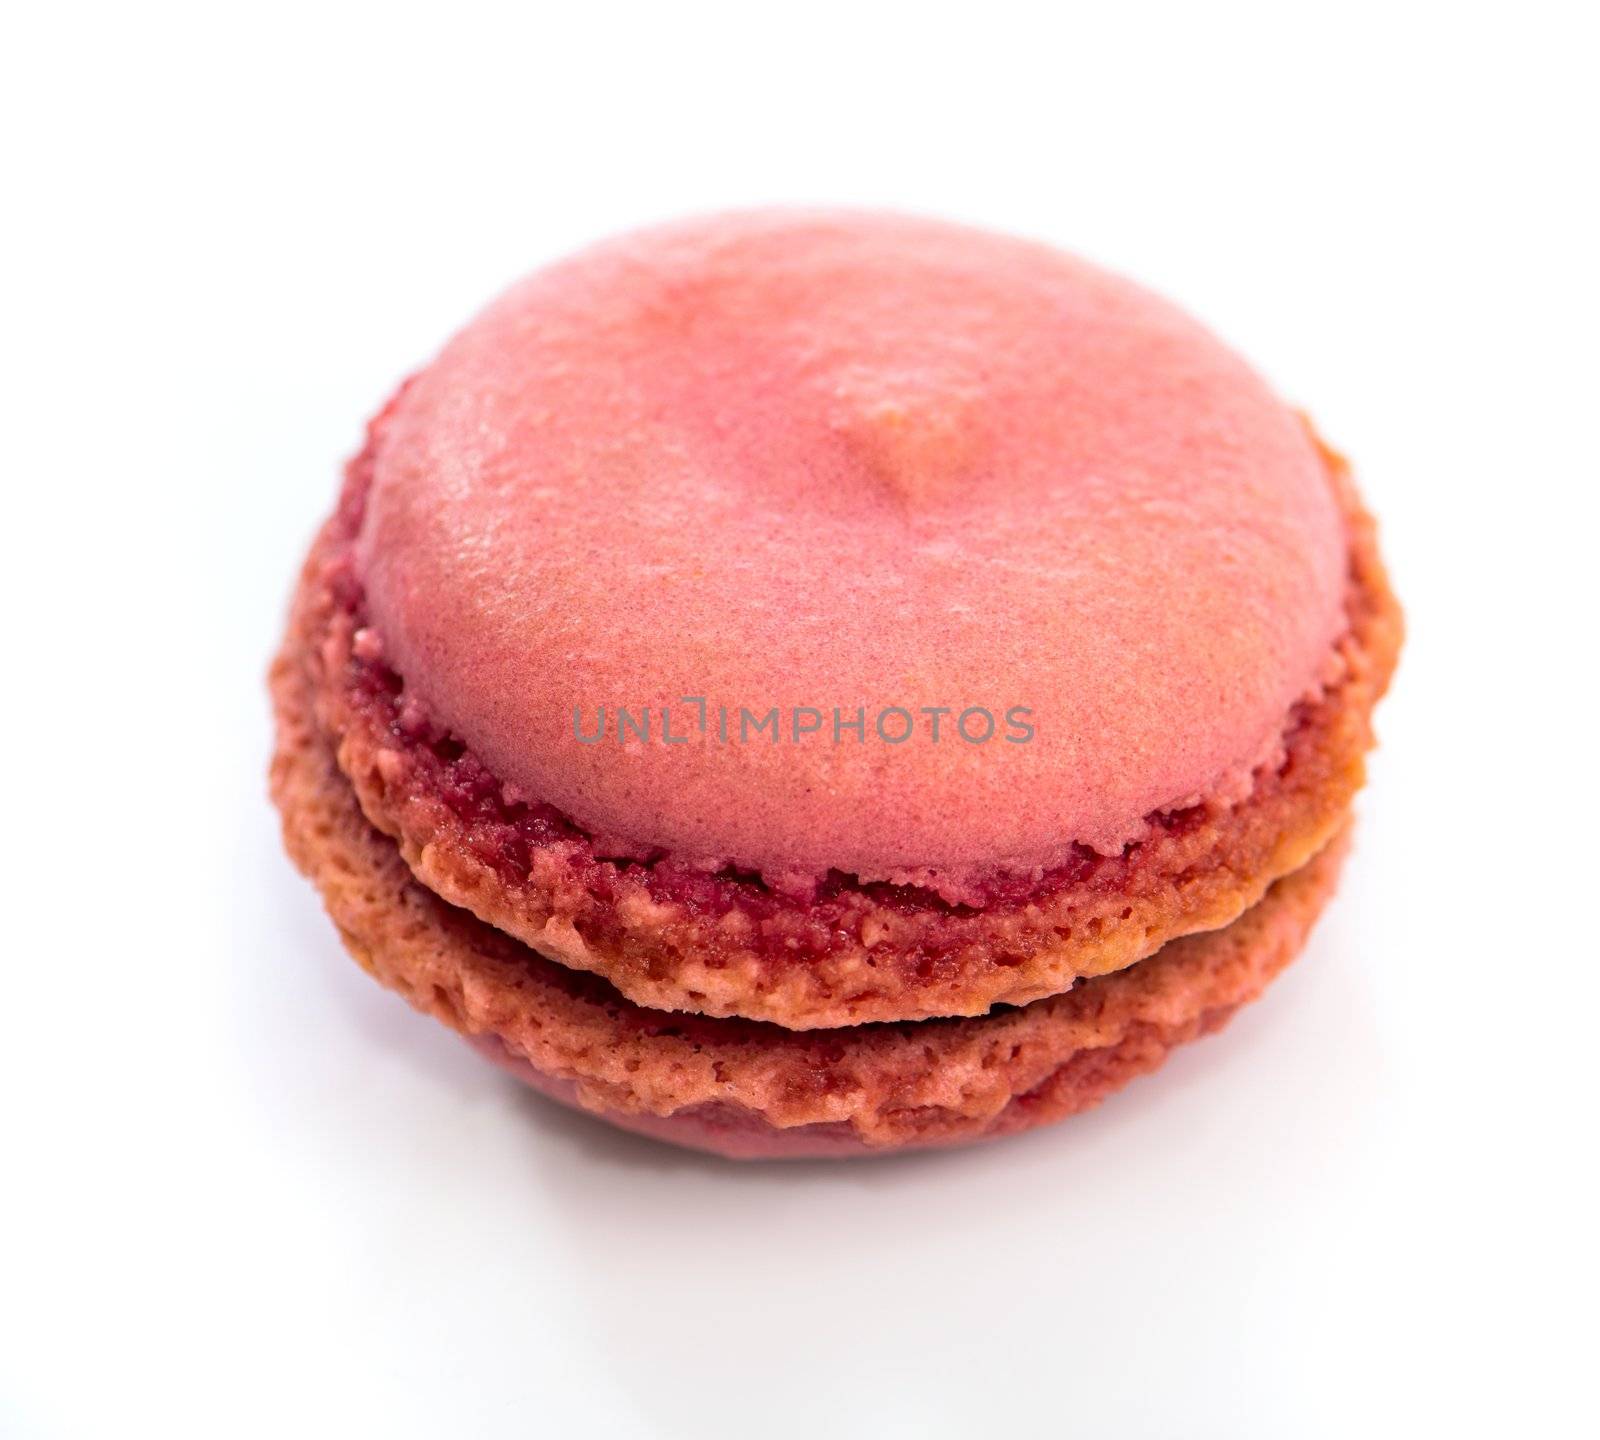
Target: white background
x,y
248,1193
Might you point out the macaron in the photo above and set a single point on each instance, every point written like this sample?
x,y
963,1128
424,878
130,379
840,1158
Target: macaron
x,y
821,683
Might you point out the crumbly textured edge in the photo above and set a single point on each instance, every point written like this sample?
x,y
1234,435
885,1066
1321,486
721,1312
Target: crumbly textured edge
x,y
865,953
870,1087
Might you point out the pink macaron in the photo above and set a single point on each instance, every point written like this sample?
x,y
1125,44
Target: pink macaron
x,y
824,626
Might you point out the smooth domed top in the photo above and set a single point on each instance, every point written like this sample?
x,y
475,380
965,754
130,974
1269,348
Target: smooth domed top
x,y
851,467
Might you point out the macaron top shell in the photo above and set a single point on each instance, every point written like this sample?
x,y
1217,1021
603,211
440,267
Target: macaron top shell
x,y
840,465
